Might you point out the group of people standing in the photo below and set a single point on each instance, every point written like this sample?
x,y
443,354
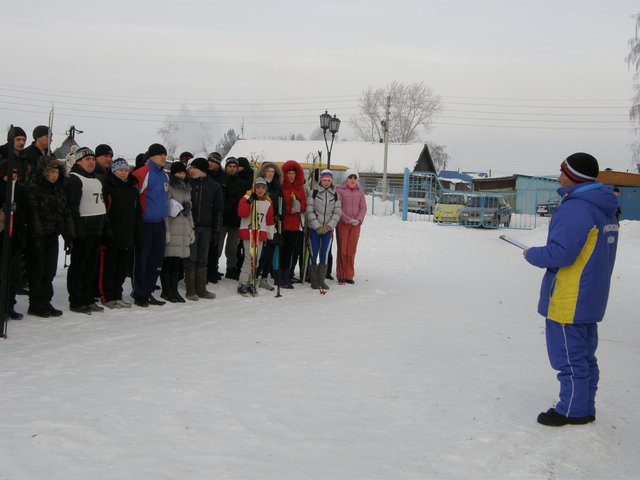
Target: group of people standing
x,y
146,222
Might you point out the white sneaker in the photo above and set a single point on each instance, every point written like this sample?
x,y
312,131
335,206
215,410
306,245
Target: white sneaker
x,y
123,304
112,304
264,283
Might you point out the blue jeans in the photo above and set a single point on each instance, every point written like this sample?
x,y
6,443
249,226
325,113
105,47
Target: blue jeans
x,y
320,244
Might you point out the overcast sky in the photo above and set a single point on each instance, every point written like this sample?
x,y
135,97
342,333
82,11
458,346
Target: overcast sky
x,y
524,83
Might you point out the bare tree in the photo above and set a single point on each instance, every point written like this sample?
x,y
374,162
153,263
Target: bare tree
x,y
439,156
413,108
316,134
226,142
633,60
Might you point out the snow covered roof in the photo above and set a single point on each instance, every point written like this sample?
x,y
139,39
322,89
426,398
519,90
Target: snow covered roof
x,y
362,156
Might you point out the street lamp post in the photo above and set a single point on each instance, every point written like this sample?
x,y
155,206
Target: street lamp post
x,y
327,122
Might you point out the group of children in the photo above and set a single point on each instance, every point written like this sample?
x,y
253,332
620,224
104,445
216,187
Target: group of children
x,y
110,217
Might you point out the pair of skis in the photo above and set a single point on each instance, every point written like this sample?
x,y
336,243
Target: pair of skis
x,y
254,234
306,249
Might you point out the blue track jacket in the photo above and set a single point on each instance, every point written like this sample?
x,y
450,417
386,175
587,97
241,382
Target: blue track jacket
x,y
579,255
153,183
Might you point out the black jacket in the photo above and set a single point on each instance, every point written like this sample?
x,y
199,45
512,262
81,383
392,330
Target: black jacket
x,y
20,216
49,212
234,189
31,164
124,211
207,203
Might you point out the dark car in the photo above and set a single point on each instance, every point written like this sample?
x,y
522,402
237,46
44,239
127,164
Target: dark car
x,y
485,211
547,208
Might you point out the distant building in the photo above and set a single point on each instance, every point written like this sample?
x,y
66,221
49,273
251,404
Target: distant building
x,y
365,157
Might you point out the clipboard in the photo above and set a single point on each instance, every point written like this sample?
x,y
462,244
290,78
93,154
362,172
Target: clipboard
x,y
513,242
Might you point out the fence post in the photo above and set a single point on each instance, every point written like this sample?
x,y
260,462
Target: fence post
x,y
393,207
373,204
405,194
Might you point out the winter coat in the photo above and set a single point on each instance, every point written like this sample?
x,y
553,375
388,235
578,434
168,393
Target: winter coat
x,y
293,221
20,216
246,175
207,203
153,183
101,174
265,218
274,187
352,202
579,255
124,212
323,208
96,222
234,189
179,227
49,211
31,164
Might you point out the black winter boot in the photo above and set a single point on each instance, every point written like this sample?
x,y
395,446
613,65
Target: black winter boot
x,y
175,278
551,418
167,287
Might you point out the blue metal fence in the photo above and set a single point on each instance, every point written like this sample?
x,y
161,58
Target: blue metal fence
x,y
424,199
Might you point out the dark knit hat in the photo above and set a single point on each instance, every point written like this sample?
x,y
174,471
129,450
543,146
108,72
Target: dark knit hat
x,y
17,132
118,164
156,149
215,157
83,152
141,158
40,131
177,167
231,161
581,167
103,149
185,156
201,164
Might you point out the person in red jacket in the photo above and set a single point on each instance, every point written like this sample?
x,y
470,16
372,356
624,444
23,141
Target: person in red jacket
x,y
294,203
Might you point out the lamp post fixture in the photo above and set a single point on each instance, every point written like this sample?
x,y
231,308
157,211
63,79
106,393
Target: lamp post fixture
x,y
327,122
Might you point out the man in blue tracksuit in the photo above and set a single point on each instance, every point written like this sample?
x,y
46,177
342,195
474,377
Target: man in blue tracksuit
x,y
153,184
579,258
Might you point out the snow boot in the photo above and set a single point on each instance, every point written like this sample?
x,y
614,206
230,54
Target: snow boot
x,y
551,418
190,283
201,284
286,278
313,276
232,273
175,279
167,290
264,283
322,275
243,290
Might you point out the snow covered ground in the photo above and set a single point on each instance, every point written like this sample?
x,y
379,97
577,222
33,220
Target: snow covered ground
x,y
432,366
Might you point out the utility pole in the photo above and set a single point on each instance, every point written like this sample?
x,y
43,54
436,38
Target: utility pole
x,y
385,126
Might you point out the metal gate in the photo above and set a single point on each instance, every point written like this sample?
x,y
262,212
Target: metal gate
x,y
424,199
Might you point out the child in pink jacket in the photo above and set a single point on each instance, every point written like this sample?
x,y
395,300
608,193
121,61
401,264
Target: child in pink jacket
x,y
354,209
